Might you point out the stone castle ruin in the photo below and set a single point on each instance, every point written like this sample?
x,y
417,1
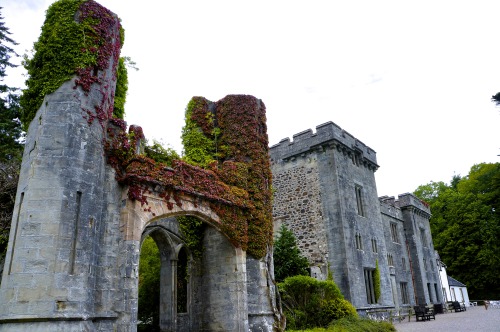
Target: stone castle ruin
x,y
87,198
325,192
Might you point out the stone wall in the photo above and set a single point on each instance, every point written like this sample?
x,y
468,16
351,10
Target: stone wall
x,y
297,204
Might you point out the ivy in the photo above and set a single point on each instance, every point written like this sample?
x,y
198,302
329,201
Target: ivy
x,y
68,47
199,145
121,90
226,163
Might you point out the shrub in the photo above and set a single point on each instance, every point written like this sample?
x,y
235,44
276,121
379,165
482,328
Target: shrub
x,y
313,303
354,324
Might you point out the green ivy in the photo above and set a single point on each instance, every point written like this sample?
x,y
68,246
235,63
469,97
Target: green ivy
x,y
65,48
121,89
199,148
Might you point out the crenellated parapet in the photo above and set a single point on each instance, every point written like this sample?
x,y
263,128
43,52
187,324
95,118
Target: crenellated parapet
x,y
388,207
328,136
410,201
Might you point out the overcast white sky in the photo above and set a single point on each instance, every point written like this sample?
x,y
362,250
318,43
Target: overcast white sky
x,y
410,79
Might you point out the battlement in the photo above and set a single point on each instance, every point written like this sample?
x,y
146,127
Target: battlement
x,y
409,200
328,135
389,207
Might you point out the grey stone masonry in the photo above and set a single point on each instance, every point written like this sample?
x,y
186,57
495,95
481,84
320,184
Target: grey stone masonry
x,y
325,192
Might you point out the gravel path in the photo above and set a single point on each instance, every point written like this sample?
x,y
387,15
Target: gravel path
x,y
474,319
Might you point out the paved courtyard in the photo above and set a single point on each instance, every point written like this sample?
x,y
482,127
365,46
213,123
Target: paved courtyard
x,y
474,319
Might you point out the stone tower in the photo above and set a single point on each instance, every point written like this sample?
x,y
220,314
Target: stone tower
x,y
326,194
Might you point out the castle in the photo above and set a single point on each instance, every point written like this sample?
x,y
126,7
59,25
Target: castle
x,y
325,192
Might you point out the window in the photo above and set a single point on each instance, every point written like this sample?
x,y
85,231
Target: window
x,y
390,260
359,243
425,264
370,292
359,200
356,158
436,292
430,294
404,292
374,246
445,295
182,281
423,238
403,263
394,233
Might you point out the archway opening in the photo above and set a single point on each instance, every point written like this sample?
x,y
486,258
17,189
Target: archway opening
x,y
149,287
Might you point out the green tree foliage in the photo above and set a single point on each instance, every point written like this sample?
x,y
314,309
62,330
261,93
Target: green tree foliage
x,y
149,286
309,302
160,154
9,173
465,225
288,261
496,98
10,125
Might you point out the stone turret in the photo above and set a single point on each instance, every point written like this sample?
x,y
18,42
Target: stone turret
x,y
53,251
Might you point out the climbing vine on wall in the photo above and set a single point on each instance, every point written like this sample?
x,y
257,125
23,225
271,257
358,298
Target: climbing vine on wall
x,y
68,47
121,90
197,133
226,159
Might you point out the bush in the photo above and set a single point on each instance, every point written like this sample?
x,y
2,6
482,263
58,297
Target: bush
x,y
313,303
354,324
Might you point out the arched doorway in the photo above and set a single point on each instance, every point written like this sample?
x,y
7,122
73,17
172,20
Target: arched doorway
x,y
170,295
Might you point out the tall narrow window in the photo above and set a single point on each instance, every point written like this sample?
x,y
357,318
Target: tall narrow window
x,y
370,290
374,246
75,233
425,264
359,200
404,293
423,238
182,281
436,292
390,260
359,242
403,263
430,293
394,233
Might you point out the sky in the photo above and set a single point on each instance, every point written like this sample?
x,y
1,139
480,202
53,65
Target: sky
x,y
410,79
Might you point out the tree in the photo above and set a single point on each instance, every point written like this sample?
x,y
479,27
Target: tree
x,y
10,126
288,261
465,224
149,286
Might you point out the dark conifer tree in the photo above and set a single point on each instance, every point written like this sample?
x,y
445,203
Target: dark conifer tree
x,y
288,260
10,126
